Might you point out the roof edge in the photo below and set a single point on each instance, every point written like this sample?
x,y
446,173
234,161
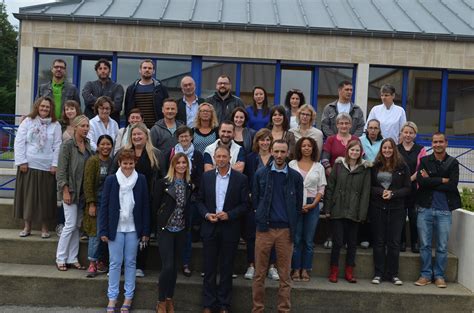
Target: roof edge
x,y
247,27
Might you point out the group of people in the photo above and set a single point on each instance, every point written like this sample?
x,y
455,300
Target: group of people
x,y
258,172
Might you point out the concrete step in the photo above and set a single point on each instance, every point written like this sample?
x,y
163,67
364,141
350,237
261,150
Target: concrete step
x,y
34,250
7,219
43,285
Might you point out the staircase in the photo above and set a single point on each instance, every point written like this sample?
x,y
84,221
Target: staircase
x,y
28,277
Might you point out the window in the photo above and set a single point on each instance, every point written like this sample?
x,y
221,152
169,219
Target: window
x,y
170,73
211,71
127,71
257,75
460,115
424,100
295,78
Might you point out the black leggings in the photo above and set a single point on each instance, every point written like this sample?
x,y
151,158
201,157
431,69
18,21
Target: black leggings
x,y
344,229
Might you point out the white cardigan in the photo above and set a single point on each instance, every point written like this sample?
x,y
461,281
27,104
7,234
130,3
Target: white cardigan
x,y
27,149
315,180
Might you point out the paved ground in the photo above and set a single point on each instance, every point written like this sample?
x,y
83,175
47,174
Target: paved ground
x,y
30,309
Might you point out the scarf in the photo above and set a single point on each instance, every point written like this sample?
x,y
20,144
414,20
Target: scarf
x,y
39,133
126,136
127,202
189,153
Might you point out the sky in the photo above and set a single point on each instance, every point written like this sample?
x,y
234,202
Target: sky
x,y
14,5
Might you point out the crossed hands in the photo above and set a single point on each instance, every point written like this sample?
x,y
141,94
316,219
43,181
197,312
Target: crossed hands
x,y
216,217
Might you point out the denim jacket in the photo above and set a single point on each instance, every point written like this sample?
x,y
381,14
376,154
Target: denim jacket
x,y
262,197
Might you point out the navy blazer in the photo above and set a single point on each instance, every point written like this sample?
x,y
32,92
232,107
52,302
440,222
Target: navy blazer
x,y
109,212
235,204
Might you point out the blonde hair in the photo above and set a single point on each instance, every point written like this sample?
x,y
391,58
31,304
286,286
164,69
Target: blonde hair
x,y
148,145
411,125
214,121
309,108
171,170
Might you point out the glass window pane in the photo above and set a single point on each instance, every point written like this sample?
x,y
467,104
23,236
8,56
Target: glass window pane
x,y
460,117
424,99
170,73
329,79
295,79
127,71
44,67
379,76
257,75
211,71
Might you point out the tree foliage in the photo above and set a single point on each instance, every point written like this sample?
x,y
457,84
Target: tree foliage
x,y
8,56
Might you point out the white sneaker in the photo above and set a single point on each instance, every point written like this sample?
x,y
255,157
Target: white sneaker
x,y
328,244
365,244
250,274
397,281
139,273
273,274
376,280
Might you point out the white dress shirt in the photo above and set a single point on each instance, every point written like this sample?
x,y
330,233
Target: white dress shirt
x,y
391,120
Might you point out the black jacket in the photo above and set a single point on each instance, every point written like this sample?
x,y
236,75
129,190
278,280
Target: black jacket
x,y
224,107
164,202
400,186
437,170
235,205
160,93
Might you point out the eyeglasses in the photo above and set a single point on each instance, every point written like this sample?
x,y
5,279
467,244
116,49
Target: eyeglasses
x,y
295,90
305,114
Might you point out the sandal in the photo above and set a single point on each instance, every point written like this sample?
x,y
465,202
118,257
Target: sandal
x,y
296,275
305,276
76,266
110,309
25,233
61,267
125,308
45,235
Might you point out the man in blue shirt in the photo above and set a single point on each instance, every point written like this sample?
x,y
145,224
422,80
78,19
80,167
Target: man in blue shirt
x,y
222,200
277,195
438,195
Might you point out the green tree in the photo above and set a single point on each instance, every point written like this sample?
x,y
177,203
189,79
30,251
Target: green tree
x,y
8,55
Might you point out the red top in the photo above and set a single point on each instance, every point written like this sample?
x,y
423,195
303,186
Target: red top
x,y
335,148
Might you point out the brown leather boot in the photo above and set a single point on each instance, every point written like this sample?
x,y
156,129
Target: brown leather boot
x,y
161,307
169,306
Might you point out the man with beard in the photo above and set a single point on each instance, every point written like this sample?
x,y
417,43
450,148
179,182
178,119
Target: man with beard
x,y
188,106
226,138
277,196
223,100
222,200
103,86
58,88
147,94
437,197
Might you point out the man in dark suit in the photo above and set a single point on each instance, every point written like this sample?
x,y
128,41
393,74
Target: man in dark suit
x,y
223,198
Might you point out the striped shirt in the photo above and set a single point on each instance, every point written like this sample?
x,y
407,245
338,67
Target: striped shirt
x,y
144,101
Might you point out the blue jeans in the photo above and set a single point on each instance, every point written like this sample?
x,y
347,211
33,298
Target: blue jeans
x,y
124,247
304,239
430,220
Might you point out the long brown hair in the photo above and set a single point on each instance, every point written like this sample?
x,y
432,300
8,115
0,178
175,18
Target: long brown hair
x,y
35,112
352,143
391,164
